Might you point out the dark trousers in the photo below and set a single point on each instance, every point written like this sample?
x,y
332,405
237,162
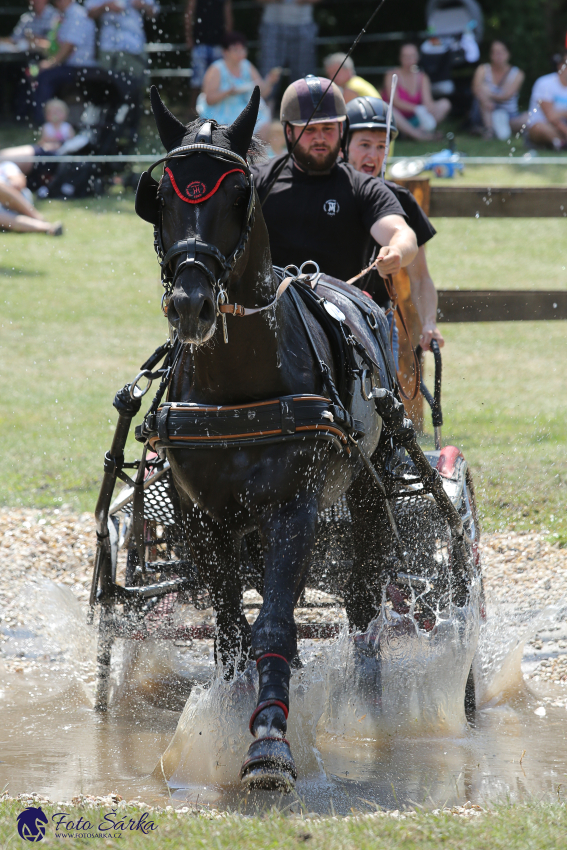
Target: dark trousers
x,y
49,83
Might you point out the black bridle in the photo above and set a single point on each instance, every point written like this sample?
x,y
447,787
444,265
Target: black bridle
x,y
190,249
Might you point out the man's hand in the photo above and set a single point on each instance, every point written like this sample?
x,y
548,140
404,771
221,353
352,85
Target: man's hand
x,y
429,332
389,260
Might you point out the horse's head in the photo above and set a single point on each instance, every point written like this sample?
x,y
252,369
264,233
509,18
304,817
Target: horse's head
x,y
202,210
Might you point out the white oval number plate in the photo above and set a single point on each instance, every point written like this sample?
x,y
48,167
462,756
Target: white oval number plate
x,y
334,311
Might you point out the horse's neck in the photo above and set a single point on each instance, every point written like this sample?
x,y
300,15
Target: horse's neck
x,y
253,363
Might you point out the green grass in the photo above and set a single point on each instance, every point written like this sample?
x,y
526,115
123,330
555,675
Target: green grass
x,y
522,827
81,313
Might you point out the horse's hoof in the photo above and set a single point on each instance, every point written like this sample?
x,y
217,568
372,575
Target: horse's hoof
x,y
269,765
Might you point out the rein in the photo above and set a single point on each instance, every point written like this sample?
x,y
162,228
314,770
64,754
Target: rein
x,y
393,296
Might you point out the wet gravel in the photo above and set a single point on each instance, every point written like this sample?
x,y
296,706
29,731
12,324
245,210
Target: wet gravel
x,y
520,569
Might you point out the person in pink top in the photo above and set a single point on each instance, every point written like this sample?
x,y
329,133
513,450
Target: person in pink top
x,y
417,113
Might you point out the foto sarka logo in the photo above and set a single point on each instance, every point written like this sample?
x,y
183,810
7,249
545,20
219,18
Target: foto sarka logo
x,y
31,824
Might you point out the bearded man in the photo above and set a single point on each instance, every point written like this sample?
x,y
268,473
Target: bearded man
x,y
320,207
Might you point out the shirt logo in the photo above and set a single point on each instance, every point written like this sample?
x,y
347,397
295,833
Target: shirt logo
x,y
196,190
331,207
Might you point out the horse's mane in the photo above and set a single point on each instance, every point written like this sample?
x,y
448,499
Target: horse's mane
x,y
256,150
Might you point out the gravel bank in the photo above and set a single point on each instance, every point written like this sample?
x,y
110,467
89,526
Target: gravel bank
x,y
520,570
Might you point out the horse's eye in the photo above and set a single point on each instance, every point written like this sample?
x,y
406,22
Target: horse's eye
x,y
239,202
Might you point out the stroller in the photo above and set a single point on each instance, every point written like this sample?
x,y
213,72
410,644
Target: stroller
x,y
107,124
456,28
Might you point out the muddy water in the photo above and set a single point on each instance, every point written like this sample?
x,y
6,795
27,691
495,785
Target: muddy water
x,y
364,732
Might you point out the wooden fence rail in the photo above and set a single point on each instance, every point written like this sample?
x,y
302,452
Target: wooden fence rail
x,y
481,305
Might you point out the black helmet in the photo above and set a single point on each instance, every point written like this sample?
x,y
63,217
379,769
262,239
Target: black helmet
x,y
369,113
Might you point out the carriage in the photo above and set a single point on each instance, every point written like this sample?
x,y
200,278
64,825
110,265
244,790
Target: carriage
x,y
277,460
157,594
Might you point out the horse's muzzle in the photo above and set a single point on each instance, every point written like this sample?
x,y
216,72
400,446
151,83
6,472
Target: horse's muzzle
x,y
192,314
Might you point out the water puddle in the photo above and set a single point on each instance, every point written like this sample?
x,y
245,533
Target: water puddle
x,y
368,727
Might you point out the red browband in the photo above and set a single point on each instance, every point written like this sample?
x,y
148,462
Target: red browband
x,y
209,194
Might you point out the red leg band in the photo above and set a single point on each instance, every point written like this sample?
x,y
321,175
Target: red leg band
x,y
264,705
271,655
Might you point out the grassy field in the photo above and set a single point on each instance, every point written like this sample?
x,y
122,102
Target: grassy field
x,y
526,827
81,313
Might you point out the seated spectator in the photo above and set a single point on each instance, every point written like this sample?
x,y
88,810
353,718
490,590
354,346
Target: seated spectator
x,y
75,52
56,129
35,26
496,86
287,37
17,213
415,111
54,133
547,123
229,82
122,40
206,22
347,80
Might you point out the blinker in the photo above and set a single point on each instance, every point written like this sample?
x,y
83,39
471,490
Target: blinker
x,y
146,205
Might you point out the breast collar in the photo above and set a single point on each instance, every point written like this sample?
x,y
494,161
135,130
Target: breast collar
x,y
191,248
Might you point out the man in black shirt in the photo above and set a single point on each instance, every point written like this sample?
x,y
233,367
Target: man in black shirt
x,y
320,208
366,151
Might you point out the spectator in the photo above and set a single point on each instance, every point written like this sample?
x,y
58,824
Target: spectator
x,y
54,133
287,37
75,52
416,113
206,22
17,213
56,129
350,84
496,86
547,124
229,82
35,26
122,40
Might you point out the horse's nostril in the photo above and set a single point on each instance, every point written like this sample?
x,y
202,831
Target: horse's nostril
x,y
207,313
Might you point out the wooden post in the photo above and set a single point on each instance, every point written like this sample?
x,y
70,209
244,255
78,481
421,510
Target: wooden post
x,y
421,191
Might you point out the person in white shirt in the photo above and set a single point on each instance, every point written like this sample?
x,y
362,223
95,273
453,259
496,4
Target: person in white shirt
x,y
122,39
75,52
34,27
547,123
17,212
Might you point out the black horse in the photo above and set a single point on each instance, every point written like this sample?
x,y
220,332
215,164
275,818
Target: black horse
x,y
204,211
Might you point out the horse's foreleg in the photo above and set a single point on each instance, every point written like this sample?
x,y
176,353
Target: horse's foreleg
x,y
288,534
216,554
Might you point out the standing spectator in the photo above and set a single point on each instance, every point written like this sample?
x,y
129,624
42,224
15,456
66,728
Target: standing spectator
x,y
206,22
122,40
35,31
496,86
347,80
229,82
416,113
287,37
75,52
547,123
35,26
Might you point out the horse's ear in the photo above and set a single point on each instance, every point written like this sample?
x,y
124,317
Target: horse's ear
x,y
146,203
171,130
240,132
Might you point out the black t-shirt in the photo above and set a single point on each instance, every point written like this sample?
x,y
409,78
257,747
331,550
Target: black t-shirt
x,y
323,218
421,226
208,21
